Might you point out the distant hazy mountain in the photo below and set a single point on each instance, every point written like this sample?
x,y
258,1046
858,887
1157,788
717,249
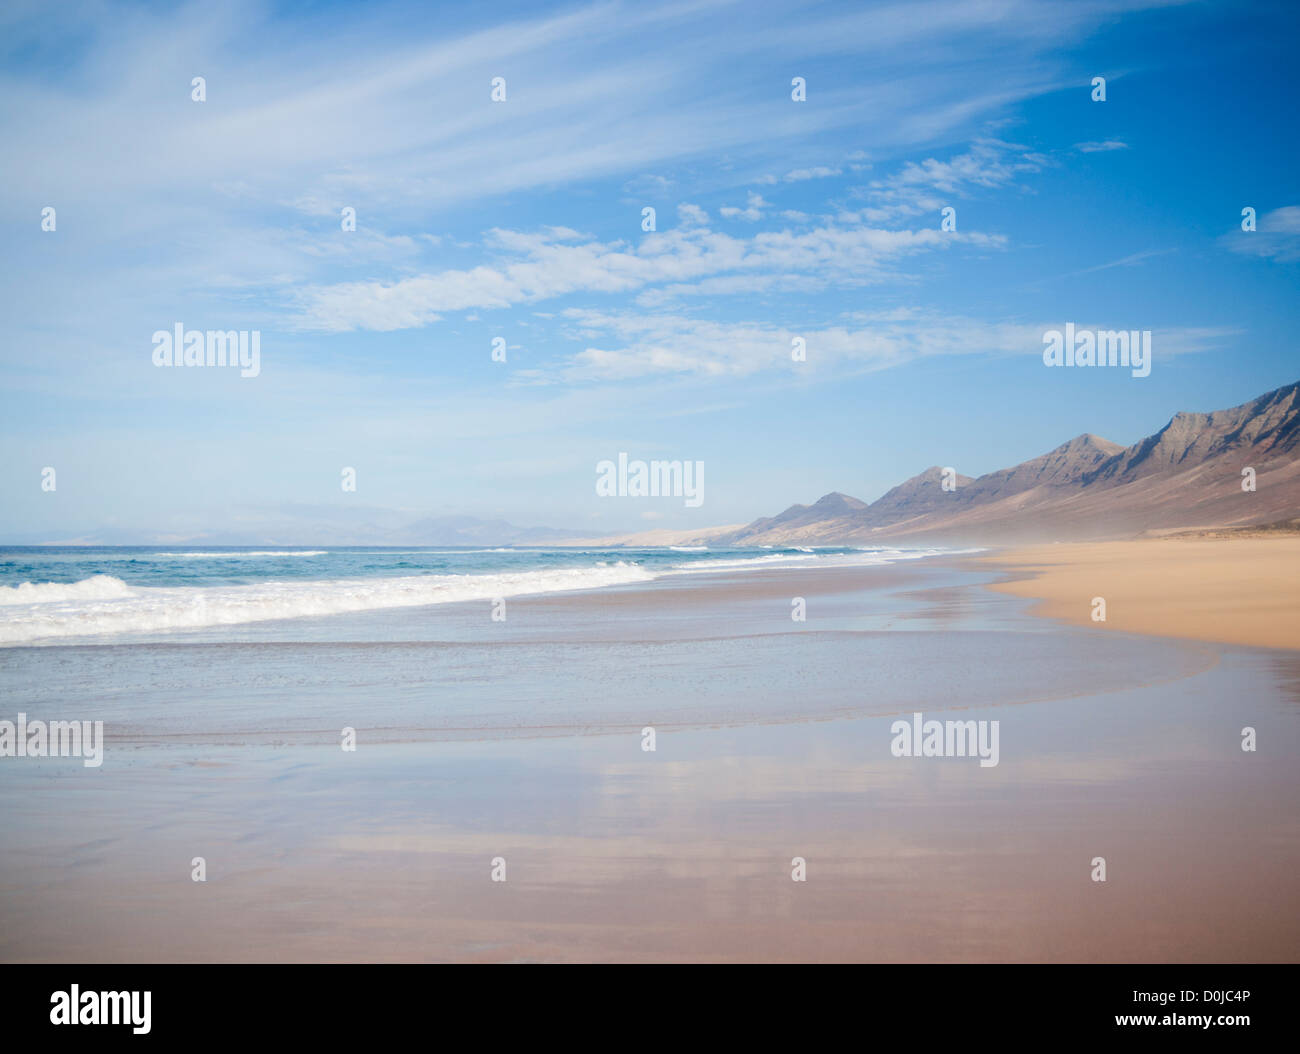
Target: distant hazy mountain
x,y
362,529
466,530
1189,474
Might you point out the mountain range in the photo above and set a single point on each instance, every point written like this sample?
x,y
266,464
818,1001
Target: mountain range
x,y
1190,474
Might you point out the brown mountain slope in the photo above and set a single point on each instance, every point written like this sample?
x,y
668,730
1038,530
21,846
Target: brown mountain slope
x,y
1068,465
1266,428
1189,474
833,512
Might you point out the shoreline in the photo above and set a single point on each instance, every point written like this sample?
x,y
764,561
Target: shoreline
x,y
773,742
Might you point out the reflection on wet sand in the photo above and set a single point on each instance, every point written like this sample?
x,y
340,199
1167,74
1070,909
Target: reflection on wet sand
x,y
1127,749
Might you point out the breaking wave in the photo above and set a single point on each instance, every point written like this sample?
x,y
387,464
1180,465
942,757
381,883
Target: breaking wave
x,y
106,605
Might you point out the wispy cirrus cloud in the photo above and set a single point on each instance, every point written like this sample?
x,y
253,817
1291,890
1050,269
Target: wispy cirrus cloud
x,y
624,345
598,90
543,265
640,345
387,109
800,175
1131,260
852,248
1276,237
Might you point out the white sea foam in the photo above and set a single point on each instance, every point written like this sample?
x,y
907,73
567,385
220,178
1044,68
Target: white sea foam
x,y
98,587
107,606
744,561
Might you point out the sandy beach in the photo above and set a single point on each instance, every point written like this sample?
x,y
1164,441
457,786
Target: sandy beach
x,y
774,743
1235,590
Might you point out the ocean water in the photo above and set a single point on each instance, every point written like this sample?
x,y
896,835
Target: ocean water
x,y
261,648
67,595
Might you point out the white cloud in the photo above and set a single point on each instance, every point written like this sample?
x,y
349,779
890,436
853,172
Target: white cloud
x,y
632,345
801,174
622,346
394,119
692,215
355,111
924,187
648,185
1276,237
556,262
751,213
1102,147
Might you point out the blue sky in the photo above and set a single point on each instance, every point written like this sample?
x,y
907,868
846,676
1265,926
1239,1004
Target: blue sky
x,y
522,219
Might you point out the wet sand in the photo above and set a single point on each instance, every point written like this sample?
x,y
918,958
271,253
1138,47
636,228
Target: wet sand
x,y
1232,590
1123,747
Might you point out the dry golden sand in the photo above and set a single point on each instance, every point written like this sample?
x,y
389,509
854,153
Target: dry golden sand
x,y
1233,590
